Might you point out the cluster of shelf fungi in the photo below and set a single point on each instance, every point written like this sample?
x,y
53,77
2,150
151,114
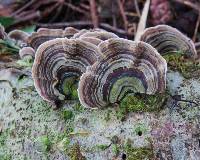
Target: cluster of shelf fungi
x,y
97,66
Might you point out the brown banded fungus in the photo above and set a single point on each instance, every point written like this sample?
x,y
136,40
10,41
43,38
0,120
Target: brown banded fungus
x,y
19,37
92,40
58,65
126,67
27,52
167,39
83,31
102,35
95,33
44,34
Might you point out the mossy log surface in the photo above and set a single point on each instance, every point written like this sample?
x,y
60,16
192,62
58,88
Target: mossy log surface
x,y
139,128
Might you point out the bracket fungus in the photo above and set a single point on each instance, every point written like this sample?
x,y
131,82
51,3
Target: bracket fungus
x,y
167,39
92,40
126,67
83,31
102,35
19,37
95,33
26,52
58,65
44,34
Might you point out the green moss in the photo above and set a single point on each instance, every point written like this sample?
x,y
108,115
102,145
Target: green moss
x,y
69,129
138,153
107,116
115,149
69,88
5,156
140,129
78,107
102,147
64,144
8,47
26,62
3,137
67,114
44,143
140,102
186,67
75,153
121,112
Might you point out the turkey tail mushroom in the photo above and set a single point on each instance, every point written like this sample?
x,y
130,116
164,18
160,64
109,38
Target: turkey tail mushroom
x,y
126,67
102,35
44,34
19,37
83,31
95,33
92,40
58,65
27,51
167,39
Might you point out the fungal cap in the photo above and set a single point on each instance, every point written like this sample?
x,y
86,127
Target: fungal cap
x,y
26,51
167,39
58,65
20,37
102,35
126,67
92,40
44,34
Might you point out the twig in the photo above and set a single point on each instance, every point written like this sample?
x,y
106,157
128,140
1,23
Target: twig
x,y
23,8
132,14
37,5
197,46
111,28
94,15
29,17
143,19
179,99
85,6
58,11
137,7
189,4
75,8
66,24
47,11
24,13
196,28
114,19
122,12
82,24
